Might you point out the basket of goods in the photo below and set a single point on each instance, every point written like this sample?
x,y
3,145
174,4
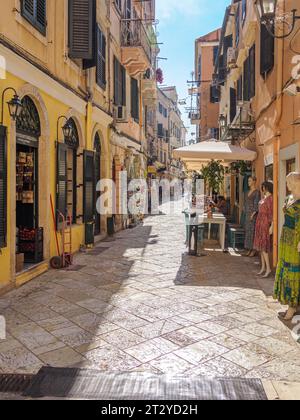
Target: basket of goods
x,y
28,197
27,234
22,157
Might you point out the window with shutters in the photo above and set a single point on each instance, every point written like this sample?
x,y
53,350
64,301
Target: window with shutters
x,y
240,89
89,188
244,10
252,72
3,187
82,29
35,12
67,174
160,130
135,102
101,59
237,26
214,94
267,46
249,75
119,83
233,104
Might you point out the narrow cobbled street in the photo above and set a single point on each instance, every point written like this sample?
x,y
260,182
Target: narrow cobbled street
x,y
138,302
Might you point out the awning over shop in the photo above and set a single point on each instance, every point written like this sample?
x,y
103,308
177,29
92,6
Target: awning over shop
x,y
213,150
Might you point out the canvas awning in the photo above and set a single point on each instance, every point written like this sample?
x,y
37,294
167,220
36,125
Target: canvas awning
x,y
213,150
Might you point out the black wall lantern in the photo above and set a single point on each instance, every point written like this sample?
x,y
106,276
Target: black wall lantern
x,y
267,13
67,128
14,105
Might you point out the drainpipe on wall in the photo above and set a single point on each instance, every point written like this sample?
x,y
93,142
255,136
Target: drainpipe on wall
x,y
276,146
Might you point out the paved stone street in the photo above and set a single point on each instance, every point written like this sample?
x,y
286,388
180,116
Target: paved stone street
x,y
140,303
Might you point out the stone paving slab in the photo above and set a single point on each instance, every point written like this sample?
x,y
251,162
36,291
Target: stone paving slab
x,y
143,304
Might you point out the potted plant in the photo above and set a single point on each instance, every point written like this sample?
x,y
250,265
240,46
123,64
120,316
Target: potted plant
x,y
213,175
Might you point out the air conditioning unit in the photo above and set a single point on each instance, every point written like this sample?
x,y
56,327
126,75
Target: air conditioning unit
x,y
120,113
231,57
245,111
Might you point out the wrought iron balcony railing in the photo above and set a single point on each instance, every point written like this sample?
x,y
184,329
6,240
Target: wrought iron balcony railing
x,y
134,34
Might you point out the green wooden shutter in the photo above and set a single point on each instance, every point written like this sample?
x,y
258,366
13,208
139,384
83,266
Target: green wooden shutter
x,y
81,29
267,47
3,187
62,180
134,99
89,188
101,58
35,11
246,91
233,104
116,81
252,69
123,85
240,89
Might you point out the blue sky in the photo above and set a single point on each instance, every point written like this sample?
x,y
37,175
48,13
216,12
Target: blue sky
x,y
180,23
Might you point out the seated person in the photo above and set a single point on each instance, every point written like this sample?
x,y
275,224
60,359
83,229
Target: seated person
x,y
221,206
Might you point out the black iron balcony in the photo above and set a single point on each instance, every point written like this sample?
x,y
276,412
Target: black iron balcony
x,y
136,46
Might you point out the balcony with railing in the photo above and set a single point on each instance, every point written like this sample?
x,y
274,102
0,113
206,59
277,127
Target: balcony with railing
x,y
136,46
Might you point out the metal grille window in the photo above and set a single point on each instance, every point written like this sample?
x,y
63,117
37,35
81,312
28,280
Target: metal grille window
x,y
101,59
3,187
35,11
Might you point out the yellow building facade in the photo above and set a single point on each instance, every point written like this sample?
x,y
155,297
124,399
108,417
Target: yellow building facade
x,y
62,75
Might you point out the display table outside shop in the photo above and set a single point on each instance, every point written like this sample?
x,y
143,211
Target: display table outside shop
x,y
216,219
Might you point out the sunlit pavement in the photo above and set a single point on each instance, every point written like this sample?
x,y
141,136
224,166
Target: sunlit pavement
x,y
138,302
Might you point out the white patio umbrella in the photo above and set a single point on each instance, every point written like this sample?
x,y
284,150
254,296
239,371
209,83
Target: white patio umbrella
x,y
198,154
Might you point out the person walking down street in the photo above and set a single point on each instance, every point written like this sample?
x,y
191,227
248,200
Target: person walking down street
x,y
251,211
287,284
264,229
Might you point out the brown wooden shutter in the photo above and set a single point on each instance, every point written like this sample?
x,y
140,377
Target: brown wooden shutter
x,y
267,46
81,29
3,186
89,187
123,85
116,81
62,180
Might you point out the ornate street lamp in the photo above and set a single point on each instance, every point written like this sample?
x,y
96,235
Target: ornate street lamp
x,y
267,12
14,105
67,129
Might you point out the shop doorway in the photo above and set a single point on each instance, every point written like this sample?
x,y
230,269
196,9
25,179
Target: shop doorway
x,y
97,148
29,236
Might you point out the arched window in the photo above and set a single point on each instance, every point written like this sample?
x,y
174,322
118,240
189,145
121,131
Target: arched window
x,y
28,121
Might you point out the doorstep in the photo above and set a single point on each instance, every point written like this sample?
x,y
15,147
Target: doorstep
x,y
31,273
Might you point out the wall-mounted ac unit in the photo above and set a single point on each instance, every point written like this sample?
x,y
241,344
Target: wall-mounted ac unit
x,y
231,57
120,113
245,111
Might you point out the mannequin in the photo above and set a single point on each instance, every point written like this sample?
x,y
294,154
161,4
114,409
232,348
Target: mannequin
x,y
264,229
251,210
287,284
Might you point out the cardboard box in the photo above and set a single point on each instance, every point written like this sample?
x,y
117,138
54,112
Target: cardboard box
x,y
19,263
